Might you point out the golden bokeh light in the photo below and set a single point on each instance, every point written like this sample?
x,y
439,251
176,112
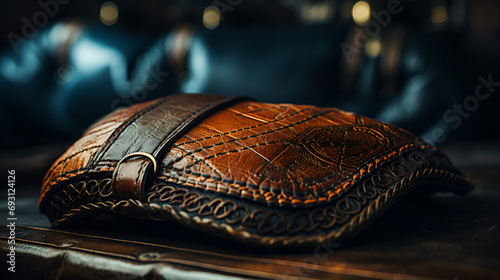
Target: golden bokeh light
x,y
109,13
211,17
373,47
439,15
317,12
361,13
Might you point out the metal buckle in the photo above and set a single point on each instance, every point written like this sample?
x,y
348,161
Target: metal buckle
x,y
149,156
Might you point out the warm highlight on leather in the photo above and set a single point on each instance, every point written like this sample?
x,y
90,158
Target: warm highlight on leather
x,y
269,174
146,126
282,154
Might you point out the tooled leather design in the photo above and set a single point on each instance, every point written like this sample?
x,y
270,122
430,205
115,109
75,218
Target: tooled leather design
x,y
344,167
399,172
323,150
276,154
281,154
80,193
257,223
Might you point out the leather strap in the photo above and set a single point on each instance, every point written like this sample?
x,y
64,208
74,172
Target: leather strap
x,y
152,131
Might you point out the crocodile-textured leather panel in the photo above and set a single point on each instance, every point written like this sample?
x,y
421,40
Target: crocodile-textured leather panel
x,y
282,154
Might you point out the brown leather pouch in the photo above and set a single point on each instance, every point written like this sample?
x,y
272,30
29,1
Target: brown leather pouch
x,y
266,174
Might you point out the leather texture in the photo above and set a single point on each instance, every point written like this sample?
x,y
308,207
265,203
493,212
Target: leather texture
x,y
407,242
268,174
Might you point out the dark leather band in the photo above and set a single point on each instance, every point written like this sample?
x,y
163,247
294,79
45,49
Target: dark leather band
x,y
155,128
152,131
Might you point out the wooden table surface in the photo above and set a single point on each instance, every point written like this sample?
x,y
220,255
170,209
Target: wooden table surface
x,y
438,237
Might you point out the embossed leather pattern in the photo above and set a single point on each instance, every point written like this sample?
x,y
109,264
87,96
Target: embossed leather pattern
x,y
268,174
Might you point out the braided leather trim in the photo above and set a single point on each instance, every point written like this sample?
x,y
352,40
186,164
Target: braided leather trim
x,y
76,194
264,226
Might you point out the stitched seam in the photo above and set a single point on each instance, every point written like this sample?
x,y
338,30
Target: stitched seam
x,y
197,158
246,128
187,120
66,176
241,184
346,182
72,173
252,136
234,151
174,133
177,145
358,219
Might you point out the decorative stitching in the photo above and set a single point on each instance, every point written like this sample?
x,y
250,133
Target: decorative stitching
x,y
329,193
246,128
344,183
68,175
262,225
188,120
251,136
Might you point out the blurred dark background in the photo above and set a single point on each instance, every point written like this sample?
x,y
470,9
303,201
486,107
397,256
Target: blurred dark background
x,y
428,66
469,29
